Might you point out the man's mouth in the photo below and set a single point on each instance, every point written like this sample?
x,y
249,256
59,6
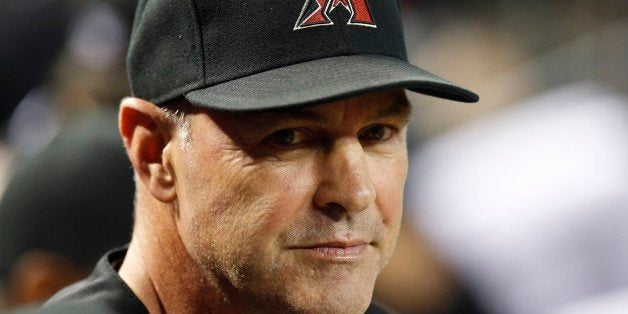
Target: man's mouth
x,y
336,251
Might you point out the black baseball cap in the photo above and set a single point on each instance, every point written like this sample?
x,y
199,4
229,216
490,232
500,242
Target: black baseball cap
x,y
269,54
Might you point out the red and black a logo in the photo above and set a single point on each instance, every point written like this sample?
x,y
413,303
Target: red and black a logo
x,y
315,13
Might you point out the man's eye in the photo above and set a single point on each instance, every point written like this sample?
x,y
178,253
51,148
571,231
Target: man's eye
x,y
377,133
287,137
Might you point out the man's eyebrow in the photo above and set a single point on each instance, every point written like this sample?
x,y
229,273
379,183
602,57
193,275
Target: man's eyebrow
x,y
271,118
399,108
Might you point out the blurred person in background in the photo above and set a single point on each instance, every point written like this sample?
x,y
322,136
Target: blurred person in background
x,y
27,50
33,33
62,210
70,197
89,74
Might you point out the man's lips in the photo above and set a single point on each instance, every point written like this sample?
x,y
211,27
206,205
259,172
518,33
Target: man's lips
x,y
338,251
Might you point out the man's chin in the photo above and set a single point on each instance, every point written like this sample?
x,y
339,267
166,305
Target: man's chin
x,y
331,302
304,284
332,295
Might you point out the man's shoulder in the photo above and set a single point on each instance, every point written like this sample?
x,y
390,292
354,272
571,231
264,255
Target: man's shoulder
x,y
102,292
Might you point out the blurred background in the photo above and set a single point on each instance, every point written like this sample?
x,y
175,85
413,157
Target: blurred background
x,y
517,204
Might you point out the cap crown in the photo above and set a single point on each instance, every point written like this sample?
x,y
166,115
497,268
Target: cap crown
x,y
181,45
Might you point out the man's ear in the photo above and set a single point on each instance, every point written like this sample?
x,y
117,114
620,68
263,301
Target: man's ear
x,y
146,132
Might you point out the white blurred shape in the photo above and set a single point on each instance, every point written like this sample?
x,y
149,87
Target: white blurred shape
x,y
610,303
530,204
33,123
98,36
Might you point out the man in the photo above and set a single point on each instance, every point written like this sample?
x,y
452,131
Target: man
x,y
268,144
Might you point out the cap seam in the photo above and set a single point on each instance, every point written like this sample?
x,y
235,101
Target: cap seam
x,y
139,16
199,27
343,32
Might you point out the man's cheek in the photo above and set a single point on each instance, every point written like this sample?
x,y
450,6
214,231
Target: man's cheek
x,y
284,193
388,178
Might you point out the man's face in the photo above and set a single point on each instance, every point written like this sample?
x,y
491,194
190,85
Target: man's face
x,y
296,209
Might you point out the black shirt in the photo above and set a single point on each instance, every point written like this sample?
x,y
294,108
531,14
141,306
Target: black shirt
x,y
105,292
102,292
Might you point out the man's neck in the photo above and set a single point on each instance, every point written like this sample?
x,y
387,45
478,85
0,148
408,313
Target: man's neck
x,y
134,274
161,273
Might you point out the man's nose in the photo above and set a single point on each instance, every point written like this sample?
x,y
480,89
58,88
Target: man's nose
x,y
346,183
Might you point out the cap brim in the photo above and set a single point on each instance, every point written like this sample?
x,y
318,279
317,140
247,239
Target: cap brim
x,y
324,80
